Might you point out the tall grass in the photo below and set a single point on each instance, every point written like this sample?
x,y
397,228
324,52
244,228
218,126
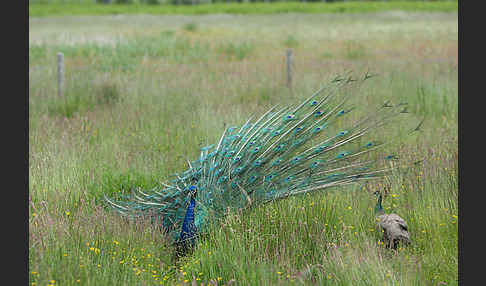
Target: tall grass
x,y
137,104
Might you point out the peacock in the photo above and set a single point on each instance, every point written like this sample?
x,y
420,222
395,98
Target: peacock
x,y
288,151
395,229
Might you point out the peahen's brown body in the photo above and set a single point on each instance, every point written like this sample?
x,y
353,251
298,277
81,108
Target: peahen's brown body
x,y
394,228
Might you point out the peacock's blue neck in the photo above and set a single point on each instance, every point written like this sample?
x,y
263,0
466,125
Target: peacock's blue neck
x,y
188,228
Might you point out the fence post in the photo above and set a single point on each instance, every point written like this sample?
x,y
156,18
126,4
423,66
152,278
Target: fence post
x,y
60,74
289,67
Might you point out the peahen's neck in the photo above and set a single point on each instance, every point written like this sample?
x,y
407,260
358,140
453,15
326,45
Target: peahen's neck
x,y
379,208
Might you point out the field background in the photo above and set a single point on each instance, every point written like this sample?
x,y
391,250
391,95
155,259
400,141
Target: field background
x,y
145,92
41,8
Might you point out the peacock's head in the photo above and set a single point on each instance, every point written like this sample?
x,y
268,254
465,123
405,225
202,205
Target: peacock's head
x,y
193,188
193,191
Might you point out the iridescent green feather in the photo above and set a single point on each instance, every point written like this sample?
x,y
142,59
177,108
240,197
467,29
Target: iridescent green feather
x,y
287,151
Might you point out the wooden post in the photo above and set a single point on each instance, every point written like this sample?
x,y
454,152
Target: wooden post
x,y
60,74
289,67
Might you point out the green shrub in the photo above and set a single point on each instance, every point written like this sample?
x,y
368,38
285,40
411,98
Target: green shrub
x,y
191,27
291,42
236,51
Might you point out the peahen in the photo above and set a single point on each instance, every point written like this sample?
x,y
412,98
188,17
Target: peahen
x,y
286,152
395,229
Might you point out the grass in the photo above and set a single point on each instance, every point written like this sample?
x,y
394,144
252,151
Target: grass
x,y
143,93
76,99
63,9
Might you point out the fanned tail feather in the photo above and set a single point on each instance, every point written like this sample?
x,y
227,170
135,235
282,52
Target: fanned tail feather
x,y
287,151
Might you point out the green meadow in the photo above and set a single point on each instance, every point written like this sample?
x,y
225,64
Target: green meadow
x,y
83,7
144,92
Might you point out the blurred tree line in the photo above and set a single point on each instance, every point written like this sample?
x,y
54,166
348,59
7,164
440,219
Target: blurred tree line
x,y
203,1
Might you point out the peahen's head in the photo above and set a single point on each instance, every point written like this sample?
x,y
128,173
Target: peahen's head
x,y
379,207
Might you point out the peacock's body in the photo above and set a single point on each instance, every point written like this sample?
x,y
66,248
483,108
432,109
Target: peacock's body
x,y
288,151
